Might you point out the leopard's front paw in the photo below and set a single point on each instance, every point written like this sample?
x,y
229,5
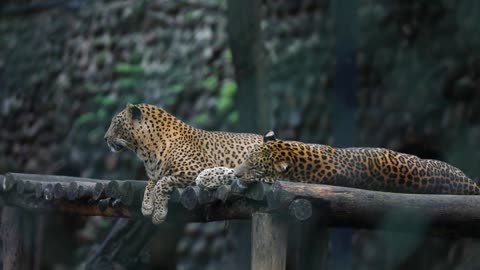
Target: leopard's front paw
x,y
147,203
212,178
147,208
159,216
161,209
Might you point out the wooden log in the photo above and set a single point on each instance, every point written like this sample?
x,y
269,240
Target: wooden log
x,y
300,209
48,192
223,192
50,178
206,196
58,191
176,195
124,190
98,190
342,206
112,189
84,191
117,203
29,186
238,187
8,183
11,179
72,191
277,199
38,190
132,192
93,191
258,191
269,242
103,204
2,181
103,207
190,197
20,187
126,193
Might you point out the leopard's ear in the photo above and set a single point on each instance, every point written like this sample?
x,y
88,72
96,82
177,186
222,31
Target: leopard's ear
x,y
134,111
281,166
269,136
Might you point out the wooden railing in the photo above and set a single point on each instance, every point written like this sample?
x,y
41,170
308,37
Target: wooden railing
x,y
270,207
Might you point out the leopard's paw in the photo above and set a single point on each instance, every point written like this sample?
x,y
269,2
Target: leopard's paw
x,y
147,202
147,209
160,212
212,178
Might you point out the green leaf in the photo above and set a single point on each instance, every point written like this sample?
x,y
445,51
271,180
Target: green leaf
x,y
229,87
200,118
127,83
127,68
85,118
223,103
232,117
107,100
210,83
101,114
176,88
134,99
227,55
189,15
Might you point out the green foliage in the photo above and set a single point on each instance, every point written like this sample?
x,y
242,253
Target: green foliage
x,y
232,117
225,98
133,98
126,68
200,118
176,88
130,75
85,118
210,83
106,100
127,83
227,55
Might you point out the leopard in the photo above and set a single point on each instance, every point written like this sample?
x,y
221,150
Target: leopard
x,y
172,151
377,169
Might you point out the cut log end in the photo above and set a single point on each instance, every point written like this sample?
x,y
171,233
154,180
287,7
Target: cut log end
x,y
190,197
300,209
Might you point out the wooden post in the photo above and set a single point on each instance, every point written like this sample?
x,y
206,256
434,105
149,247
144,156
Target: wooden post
x,y
16,245
269,242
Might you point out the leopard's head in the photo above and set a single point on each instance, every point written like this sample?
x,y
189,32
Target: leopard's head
x,y
126,128
267,161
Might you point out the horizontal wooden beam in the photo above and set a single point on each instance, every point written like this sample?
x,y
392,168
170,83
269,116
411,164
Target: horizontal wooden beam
x,y
113,198
341,206
335,206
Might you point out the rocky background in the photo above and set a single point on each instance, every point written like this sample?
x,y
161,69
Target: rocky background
x,y
66,67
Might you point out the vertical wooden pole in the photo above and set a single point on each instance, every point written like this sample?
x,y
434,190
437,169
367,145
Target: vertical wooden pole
x,y
345,107
308,245
269,242
16,248
253,99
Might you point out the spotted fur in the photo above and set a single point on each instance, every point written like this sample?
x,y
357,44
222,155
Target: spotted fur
x,y
212,178
173,152
366,168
